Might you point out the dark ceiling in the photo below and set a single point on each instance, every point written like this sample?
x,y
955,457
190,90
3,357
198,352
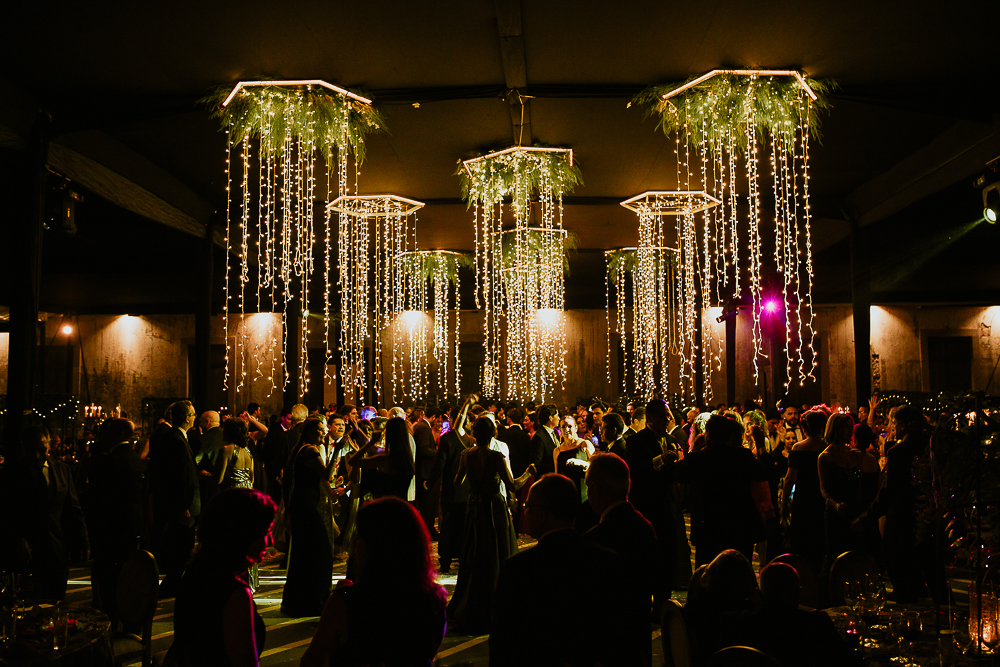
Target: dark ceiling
x,y
914,119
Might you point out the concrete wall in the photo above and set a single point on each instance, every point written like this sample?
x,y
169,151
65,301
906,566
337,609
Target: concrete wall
x,y
130,358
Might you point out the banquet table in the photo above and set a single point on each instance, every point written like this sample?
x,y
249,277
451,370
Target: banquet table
x,y
88,639
879,647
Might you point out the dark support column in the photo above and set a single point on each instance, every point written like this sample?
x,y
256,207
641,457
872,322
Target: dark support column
x,y
293,332
203,326
731,359
861,302
25,193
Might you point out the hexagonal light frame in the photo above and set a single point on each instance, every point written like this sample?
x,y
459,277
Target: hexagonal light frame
x,y
652,199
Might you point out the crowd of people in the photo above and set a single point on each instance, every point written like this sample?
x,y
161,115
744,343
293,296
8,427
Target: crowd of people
x,y
603,489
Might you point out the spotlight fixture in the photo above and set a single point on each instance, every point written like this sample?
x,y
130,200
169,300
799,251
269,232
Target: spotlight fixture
x,y
67,329
991,202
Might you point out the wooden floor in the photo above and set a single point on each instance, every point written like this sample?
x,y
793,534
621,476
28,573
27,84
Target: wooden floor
x,y
287,638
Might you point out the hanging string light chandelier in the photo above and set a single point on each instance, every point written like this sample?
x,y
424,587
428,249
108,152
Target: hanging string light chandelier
x,y
427,279
520,266
667,306
288,144
372,231
725,124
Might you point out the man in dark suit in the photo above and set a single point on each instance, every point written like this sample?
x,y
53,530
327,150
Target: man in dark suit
x,y
518,442
541,604
206,442
723,512
544,440
423,435
173,485
638,422
649,457
41,523
628,534
454,496
612,427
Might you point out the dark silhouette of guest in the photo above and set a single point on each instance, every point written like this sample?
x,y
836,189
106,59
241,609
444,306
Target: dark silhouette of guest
x,y
543,613
454,496
176,497
390,472
394,613
720,603
794,636
649,454
42,528
613,433
116,486
215,617
310,554
489,533
802,504
544,440
723,512
911,560
627,533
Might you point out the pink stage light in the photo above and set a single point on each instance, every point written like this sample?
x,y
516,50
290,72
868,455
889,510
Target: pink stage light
x,y
771,306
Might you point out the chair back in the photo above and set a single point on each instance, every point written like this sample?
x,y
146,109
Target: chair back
x,y
674,637
850,566
138,593
741,656
809,594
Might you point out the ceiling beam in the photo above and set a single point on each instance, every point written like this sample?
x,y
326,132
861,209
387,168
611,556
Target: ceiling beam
x,y
115,172
959,152
514,69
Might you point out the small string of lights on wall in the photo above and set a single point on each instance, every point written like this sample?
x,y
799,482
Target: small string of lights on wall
x,y
288,143
520,266
725,123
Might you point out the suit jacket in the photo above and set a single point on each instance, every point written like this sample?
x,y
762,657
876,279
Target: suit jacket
x,y
449,452
206,451
173,478
721,504
116,499
652,490
47,515
426,448
631,536
552,628
540,452
617,447
519,443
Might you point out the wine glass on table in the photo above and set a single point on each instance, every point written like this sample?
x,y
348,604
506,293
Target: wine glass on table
x,y
914,628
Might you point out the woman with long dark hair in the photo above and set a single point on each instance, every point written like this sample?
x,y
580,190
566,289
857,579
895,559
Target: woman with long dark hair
x,y
388,473
310,553
489,533
394,613
215,619
804,509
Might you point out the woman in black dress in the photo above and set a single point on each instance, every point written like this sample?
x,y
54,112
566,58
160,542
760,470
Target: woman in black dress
x,y
805,507
841,471
394,614
489,533
215,619
390,472
572,456
310,553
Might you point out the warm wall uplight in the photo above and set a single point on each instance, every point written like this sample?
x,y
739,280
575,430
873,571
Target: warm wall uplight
x,y
411,318
715,312
548,316
67,329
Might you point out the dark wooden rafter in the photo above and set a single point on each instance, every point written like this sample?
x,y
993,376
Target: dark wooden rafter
x,y
514,69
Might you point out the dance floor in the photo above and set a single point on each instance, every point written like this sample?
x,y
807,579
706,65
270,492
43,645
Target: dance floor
x,y
287,638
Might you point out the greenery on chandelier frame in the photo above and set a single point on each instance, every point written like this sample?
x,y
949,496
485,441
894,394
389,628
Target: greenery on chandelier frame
x,y
535,242
716,109
329,121
494,178
425,265
625,260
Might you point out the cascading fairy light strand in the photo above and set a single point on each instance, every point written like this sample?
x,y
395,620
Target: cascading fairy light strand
x,y
295,128
520,270
754,117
